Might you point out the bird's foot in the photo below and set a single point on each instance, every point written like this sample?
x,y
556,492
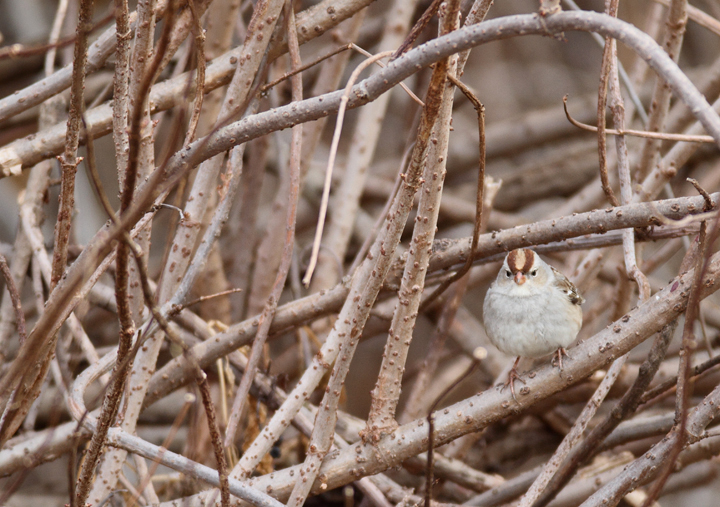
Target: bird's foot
x,y
558,357
512,377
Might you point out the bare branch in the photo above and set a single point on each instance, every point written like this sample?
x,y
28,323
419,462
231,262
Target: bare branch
x,y
271,306
478,411
672,42
638,133
69,160
14,297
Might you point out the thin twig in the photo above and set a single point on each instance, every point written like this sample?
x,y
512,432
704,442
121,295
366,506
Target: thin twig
x,y
660,102
94,177
15,51
266,317
200,73
380,64
645,468
638,133
331,162
343,339
53,39
312,23
26,151
145,81
366,137
668,384
202,299
709,204
617,107
602,100
69,160
316,305
200,376
571,440
214,436
121,88
590,446
386,393
264,88
429,481
699,17
269,250
15,298
420,25
490,406
146,75
479,195
689,345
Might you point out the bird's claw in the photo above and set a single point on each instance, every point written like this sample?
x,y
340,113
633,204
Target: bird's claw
x,y
512,377
557,357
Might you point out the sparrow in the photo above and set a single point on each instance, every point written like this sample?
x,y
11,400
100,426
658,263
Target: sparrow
x,y
531,310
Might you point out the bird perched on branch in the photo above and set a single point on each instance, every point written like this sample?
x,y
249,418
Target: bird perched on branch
x,y
531,310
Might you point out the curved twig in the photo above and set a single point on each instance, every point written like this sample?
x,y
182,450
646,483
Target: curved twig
x,y
638,133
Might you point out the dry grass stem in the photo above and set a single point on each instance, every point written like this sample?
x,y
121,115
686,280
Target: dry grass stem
x,y
331,163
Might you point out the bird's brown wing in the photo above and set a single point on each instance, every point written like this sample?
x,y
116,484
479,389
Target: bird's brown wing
x,y
567,288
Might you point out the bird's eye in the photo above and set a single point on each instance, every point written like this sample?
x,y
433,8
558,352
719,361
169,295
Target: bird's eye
x,y
534,272
508,273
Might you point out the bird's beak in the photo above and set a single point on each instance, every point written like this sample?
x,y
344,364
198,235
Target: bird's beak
x,y
520,278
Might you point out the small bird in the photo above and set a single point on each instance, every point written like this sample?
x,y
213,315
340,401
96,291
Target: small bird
x,y
531,310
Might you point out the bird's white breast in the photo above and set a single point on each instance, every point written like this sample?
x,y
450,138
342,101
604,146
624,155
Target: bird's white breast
x,y
530,323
